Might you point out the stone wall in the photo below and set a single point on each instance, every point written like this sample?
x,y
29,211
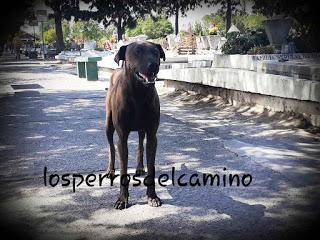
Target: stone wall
x,y
292,86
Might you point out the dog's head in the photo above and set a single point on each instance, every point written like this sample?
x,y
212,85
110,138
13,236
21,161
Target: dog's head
x,y
142,59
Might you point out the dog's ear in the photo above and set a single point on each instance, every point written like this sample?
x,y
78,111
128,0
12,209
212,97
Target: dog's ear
x,y
162,54
121,54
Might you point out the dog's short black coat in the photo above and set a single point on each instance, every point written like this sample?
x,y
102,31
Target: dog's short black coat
x,y
132,104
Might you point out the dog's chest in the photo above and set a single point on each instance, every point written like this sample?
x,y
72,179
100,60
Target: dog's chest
x,y
140,114
143,114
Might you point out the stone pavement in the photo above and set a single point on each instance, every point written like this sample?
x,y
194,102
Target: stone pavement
x,y
50,118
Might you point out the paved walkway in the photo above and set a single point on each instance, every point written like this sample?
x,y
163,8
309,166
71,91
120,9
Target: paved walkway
x,y
50,118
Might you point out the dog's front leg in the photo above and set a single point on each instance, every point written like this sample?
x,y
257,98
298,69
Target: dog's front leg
x,y
153,199
122,201
140,167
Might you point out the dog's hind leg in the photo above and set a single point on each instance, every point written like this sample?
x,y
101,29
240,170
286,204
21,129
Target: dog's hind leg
x,y
122,201
153,199
140,167
109,132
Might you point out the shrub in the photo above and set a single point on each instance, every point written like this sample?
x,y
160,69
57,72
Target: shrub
x,y
100,49
198,29
262,50
241,43
49,36
183,33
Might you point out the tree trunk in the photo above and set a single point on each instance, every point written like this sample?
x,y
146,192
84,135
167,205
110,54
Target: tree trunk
x,y
119,31
244,6
228,15
119,28
59,33
177,20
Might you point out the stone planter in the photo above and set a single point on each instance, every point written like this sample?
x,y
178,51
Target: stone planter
x,y
205,42
199,43
277,30
171,41
214,41
202,43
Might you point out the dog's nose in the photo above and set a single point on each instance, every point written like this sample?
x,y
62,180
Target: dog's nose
x,y
153,67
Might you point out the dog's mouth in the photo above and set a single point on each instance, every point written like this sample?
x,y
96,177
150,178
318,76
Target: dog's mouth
x,y
147,79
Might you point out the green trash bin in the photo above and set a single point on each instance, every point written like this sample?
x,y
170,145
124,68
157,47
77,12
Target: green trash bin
x,y
87,67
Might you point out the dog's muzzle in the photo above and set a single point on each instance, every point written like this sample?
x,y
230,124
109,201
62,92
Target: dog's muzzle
x,y
147,79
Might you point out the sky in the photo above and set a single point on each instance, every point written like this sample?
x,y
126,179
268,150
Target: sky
x,y
192,17
197,15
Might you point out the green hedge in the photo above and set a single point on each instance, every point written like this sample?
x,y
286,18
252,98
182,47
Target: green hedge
x,y
241,43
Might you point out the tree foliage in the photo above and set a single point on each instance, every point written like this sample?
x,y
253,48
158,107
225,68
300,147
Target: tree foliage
x,y
235,6
227,9
49,36
62,9
12,17
67,8
217,19
154,28
242,21
249,21
87,30
78,31
48,24
122,13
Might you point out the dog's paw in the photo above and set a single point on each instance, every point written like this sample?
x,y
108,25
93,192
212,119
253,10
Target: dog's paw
x,y
121,203
154,202
110,173
140,172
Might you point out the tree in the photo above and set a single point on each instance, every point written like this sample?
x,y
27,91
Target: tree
x,y
122,13
169,8
153,28
12,17
228,7
48,24
66,29
62,9
87,30
49,35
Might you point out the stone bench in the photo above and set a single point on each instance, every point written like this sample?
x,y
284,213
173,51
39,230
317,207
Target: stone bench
x,y
87,67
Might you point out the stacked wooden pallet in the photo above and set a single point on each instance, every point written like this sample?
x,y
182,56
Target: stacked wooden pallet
x,y
188,44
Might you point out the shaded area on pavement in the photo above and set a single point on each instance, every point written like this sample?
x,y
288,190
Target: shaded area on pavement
x,y
64,131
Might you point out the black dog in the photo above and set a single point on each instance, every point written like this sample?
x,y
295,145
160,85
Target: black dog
x,y
132,104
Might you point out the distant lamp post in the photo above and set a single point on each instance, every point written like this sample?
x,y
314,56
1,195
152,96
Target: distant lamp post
x,y
42,17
